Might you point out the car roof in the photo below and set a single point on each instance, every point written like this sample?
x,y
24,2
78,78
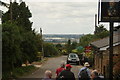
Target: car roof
x,y
72,54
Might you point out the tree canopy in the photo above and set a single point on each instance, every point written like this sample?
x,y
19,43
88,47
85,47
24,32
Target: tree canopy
x,y
101,32
19,13
20,42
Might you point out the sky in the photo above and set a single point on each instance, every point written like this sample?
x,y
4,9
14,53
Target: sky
x,y
63,16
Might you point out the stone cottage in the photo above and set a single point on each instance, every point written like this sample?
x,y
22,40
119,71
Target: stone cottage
x,y
101,52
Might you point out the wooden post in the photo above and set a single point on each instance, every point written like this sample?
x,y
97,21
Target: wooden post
x,y
111,51
42,42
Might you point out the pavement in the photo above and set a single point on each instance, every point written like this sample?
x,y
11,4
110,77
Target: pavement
x,y
52,64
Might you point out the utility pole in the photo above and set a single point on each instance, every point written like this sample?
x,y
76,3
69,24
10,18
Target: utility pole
x,y
11,10
42,42
95,23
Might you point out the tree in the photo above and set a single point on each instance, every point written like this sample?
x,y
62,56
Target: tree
x,y
11,40
50,49
24,15
100,29
20,14
13,7
101,32
85,40
73,45
19,39
29,47
59,47
68,46
102,35
4,4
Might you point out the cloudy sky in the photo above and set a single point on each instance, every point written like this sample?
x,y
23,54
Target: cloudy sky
x,y
63,17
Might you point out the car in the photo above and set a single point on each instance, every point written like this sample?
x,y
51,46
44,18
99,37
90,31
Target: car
x,y
73,58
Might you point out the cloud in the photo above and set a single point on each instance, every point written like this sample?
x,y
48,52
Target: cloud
x,y
63,17
60,0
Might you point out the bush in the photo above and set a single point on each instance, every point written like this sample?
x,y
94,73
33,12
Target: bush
x,y
50,50
17,72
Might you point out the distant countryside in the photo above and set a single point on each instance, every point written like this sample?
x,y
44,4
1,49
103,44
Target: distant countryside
x,y
60,40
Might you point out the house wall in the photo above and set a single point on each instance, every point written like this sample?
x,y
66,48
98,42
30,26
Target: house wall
x,y
105,62
98,61
102,60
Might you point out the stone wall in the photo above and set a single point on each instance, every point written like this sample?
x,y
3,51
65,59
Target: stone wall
x,y
102,60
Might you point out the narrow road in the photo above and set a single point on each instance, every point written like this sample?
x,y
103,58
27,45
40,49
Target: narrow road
x,y
52,64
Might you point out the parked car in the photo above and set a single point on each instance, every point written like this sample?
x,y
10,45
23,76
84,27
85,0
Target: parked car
x,y
73,58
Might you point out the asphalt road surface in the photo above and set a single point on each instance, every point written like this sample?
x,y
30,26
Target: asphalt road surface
x,y
52,64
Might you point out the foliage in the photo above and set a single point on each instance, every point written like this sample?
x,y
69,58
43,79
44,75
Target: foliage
x,y
22,70
20,14
17,72
20,42
85,40
29,46
4,4
74,45
64,51
11,40
102,35
101,32
59,47
100,28
24,15
74,51
50,49
68,46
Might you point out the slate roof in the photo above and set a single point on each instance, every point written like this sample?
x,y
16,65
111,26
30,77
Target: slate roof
x,y
105,41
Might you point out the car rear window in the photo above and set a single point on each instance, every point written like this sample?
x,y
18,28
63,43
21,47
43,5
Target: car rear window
x,y
73,56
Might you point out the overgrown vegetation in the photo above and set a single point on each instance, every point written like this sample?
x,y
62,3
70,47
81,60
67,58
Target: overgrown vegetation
x,y
17,72
50,50
20,43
